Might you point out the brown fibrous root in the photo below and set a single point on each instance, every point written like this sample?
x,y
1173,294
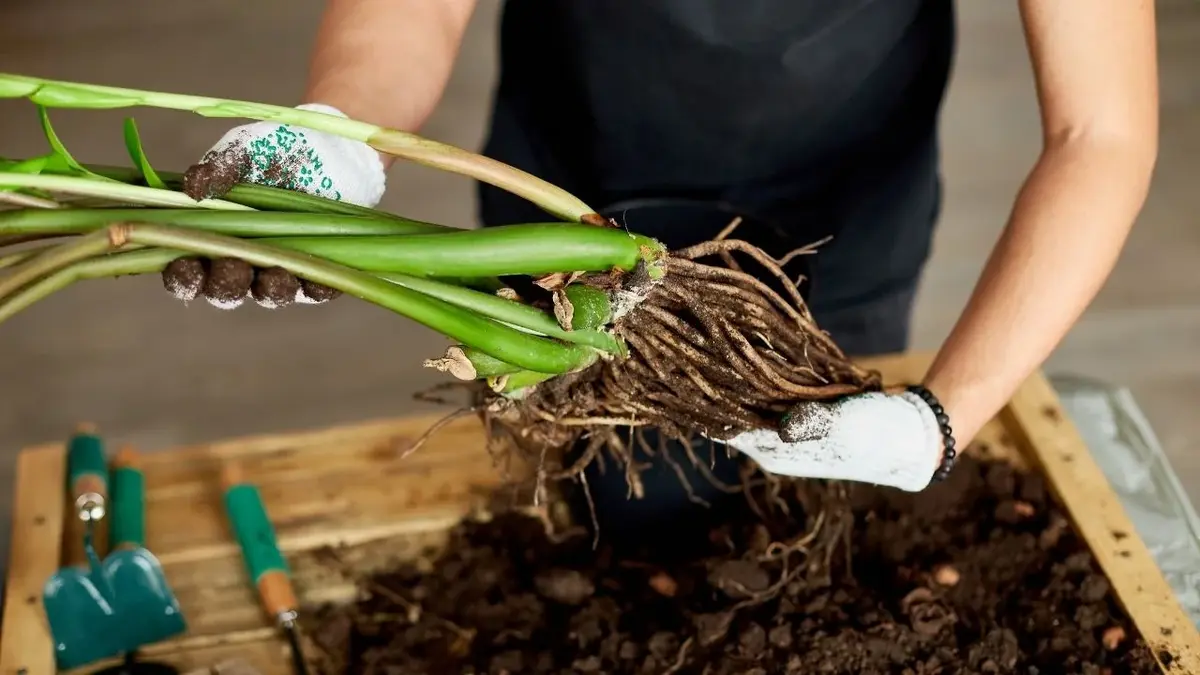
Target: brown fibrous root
x,y
714,350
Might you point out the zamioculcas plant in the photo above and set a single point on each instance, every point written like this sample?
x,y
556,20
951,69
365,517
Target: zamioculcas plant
x,y
621,332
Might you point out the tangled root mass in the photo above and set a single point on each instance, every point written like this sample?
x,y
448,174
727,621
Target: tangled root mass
x,y
713,349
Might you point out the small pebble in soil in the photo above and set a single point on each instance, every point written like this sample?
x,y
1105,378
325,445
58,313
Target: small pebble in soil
x,y
946,575
664,584
569,587
1112,638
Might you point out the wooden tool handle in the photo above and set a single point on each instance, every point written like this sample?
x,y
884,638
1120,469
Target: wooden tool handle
x,y
265,564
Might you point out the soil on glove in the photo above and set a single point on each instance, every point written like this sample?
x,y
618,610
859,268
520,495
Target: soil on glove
x,y
981,574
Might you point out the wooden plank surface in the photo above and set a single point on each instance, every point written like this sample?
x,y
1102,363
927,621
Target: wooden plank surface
x,y
39,512
347,488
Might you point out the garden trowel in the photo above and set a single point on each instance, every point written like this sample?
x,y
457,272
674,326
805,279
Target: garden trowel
x,y
78,599
144,600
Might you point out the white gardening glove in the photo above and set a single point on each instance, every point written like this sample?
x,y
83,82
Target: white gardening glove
x,y
282,156
296,158
884,439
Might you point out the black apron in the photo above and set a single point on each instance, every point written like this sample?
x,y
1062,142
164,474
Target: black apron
x,y
808,117
818,117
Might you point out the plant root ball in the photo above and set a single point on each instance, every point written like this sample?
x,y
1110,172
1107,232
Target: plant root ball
x,y
713,349
312,293
275,287
228,283
184,278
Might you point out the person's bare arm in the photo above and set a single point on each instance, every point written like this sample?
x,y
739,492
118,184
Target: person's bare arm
x,y
386,61
1097,83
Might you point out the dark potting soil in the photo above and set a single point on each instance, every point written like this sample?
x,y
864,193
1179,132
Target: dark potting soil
x,y
981,574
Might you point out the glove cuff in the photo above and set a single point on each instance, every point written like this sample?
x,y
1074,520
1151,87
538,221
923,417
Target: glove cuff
x,y
918,474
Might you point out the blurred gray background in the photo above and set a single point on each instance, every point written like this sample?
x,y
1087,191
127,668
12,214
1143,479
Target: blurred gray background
x,y
156,373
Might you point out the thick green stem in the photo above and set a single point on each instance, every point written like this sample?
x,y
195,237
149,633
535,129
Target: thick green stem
x,y
113,190
506,311
495,339
59,94
535,249
234,223
54,259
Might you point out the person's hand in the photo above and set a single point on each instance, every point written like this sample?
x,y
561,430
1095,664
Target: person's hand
x,y
286,157
881,438
291,158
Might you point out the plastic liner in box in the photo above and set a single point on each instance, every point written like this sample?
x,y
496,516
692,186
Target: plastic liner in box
x,y
1129,454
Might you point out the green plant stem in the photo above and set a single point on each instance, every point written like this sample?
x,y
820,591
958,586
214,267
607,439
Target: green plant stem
x,y
535,249
15,239
112,190
495,339
114,265
523,379
54,259
486,366
60,94
234,223
593,311
506,311
261,197
11,259
550,198
28,201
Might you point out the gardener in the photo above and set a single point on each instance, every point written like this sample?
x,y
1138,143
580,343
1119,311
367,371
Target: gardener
x,y
810,118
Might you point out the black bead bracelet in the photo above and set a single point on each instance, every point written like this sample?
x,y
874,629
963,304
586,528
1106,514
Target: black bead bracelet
x,y
949,453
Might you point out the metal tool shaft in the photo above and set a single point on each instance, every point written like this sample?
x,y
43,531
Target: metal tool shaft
x,y
288,623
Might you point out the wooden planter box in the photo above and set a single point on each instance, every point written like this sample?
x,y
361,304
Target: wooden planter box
x,y
344,486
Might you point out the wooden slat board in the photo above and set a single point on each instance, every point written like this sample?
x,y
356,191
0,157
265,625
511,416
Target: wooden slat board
x,y
25,646
346,487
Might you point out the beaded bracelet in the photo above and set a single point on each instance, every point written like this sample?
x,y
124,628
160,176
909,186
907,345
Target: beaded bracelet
x,y
949,453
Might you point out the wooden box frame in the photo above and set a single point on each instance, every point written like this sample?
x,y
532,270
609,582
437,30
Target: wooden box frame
x,y
344,486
